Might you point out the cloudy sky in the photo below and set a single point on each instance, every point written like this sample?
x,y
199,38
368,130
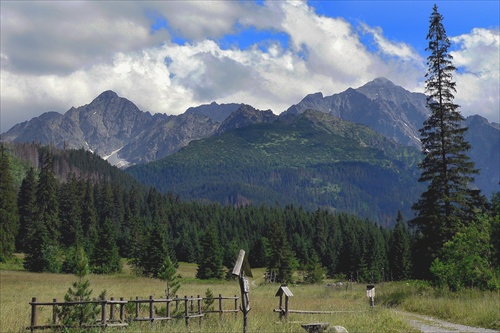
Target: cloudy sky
x,y
166,56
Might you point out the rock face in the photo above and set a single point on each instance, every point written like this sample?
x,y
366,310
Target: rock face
x,y
116,129
246,115
380,104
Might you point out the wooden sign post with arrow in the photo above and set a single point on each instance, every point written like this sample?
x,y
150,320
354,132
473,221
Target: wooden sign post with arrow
x,y
241,270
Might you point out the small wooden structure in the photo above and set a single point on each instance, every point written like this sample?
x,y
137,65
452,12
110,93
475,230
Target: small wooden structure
x,y
283,291
241,270
370,293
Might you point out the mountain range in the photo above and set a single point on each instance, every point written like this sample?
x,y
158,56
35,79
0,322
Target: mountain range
x,y
114,128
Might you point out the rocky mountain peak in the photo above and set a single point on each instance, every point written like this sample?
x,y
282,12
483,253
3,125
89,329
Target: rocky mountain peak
x,y
246,115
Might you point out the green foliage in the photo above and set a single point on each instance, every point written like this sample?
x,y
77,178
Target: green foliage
x,y
339,166
314,272
26,203
465,261
281,256
400,251
210,258
79,314
448,203
9,218
105,259
168,273
208,301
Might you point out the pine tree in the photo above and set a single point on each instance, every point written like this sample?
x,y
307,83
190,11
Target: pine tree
x,y
155,251
43,253
79,314
210,257
448,201
26,203
106,258
281,256
8,208
70,213
46,200
168,273
88,218
400,250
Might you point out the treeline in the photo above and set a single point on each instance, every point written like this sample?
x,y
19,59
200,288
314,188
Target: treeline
x,y
49,219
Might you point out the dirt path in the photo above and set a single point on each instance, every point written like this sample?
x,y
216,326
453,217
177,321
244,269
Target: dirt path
x,y
428,324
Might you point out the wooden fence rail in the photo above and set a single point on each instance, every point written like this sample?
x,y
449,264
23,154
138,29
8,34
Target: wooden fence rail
x,y
185,308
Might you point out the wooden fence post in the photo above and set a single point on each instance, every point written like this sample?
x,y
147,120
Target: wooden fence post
x,y
176,303
111,310
220,306
199,309
122,307
55,318
236,305
151,309
136,307
186,309
168,307
103,311
33,313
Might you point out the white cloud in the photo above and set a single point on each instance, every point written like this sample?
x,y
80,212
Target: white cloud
x,y
89,47
478,79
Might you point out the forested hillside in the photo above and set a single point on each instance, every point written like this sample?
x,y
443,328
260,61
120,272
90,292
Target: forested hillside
x,y
110,221
311,160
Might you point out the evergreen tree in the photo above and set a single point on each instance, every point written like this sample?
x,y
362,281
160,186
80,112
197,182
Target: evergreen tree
x,y
79,314
448,201
47,201
168,274
210,257
155,251
281,256
88,218
43,253
106,258
26,203
8,208
70,213
400,250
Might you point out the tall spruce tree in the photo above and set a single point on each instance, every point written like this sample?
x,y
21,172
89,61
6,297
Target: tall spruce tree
x,y
8,208
400,250
210,258
448,201
281,256
105,258
43,253
26,204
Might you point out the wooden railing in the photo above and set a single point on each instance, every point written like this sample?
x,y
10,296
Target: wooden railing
x,y
175,308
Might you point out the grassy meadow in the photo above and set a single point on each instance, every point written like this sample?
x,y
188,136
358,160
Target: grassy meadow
x,y
17,287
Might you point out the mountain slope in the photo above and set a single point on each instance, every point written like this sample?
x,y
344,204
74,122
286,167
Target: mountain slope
x,y
314,160
380,104
114,128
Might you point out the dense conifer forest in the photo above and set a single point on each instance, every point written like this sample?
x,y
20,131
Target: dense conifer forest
x,y
113,217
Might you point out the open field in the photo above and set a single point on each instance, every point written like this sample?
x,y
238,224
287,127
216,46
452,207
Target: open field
x,y
18,287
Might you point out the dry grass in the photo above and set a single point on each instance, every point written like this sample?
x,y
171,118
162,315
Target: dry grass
x,y
18,287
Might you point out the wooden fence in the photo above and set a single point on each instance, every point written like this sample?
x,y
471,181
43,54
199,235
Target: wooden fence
x,y
113,311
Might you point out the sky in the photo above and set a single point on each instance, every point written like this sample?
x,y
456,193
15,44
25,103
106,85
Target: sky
x,y
167,56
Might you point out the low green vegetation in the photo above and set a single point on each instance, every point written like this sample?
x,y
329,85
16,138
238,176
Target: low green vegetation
x,y
470,307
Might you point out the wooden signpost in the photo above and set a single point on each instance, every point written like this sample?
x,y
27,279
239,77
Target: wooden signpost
x,y
241,270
